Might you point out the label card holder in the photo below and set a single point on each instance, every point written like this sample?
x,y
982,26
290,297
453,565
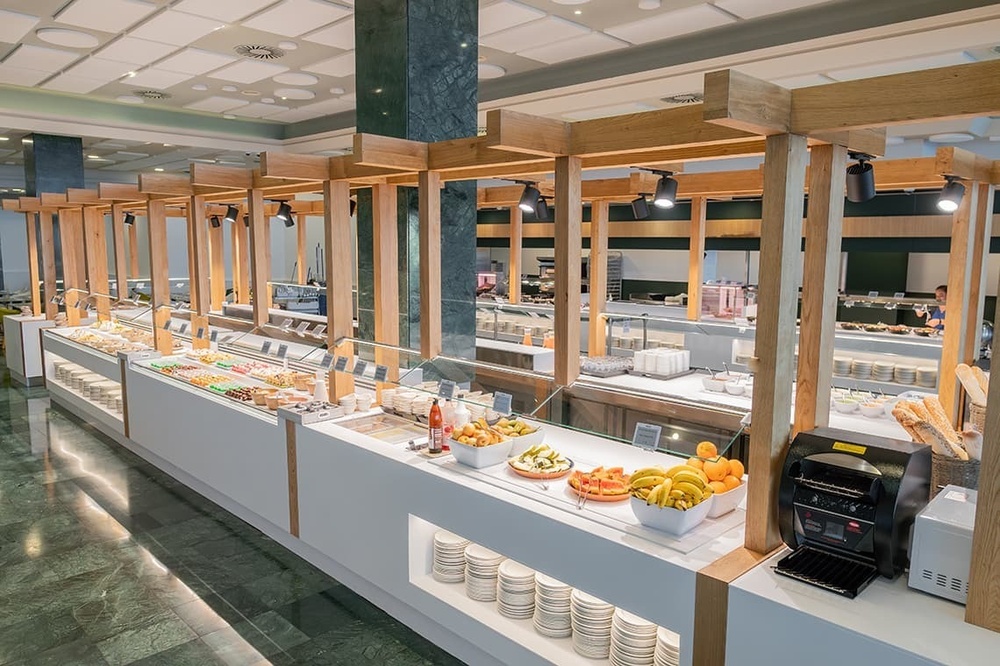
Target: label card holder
x,y
502,403
647,436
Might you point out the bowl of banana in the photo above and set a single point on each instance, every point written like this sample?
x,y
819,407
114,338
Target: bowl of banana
x,y
674,500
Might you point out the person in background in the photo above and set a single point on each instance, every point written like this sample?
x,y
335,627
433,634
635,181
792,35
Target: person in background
x,y
935,318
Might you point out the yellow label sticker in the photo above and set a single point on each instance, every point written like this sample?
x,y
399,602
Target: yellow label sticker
x,y
850,448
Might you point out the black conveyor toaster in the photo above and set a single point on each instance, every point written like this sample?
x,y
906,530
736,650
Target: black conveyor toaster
x,y
846,506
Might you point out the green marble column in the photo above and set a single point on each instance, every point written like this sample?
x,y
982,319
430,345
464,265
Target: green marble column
x,y
417,78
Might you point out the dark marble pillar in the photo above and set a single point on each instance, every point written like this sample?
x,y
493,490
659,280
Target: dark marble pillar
x,y
417,78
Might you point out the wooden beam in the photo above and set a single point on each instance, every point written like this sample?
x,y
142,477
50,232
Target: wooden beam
x,y
951,161
120,192
372,150
339,280
12,205
169,184
74,261
523,133
978,272
742,102
823,231
345,168
568,243
514,260
241,261
781,234
473,152
118,244
869,141
217,265
133,251
300,249
201,293
430,263
96,244
213,175
295,167
597,278
509,195
33,286
83,197
47,241
260,259
385,236
696,257
55,200
159,275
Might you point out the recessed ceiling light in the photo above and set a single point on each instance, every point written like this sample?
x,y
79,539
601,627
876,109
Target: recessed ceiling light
x,y
288,46
464,45
130,99
487,71
577,11
649,4
378,91
267,100
168,145
229,116
571,2
130,74
93,157
295,79
4,138
200,87
337,91
251,93
950,137
230,88
76,39
158,169
294,93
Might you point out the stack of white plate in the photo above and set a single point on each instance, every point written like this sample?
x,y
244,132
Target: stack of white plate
x,y
388,395
861,369
883,372
481,566
633,640
552,607
927,376
515,590
842,365
591,621
449,557
905,374
402,401
668,648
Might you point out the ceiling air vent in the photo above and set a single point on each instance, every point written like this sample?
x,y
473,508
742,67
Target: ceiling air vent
x,y
259,51
684,98
151,94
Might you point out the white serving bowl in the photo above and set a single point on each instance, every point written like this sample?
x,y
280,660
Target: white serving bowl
x,y
872,410
735,388
714,385
845,406
521,444
672,521
723,503
481,456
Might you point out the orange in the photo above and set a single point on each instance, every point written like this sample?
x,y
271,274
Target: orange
x,y
736,469
716,470
695,462
718,486
706,450
731,482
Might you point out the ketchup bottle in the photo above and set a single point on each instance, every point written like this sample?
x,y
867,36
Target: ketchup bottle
x,y
435,429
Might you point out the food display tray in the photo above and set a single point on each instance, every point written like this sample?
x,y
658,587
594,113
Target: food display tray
x,y
653,375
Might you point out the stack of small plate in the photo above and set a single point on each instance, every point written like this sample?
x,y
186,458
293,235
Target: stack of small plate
x,y
842,365
633,640
668,648
481,566
349,402
883,372
905,374
861,369
927,376
552,607
402,401
449,557
591,625
516,590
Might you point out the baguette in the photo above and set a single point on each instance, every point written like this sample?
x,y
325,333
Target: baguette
x,y
938,442
982,378
907,419
921,411
971,384
939,419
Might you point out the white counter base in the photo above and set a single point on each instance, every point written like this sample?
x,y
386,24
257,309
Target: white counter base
x,y
23,347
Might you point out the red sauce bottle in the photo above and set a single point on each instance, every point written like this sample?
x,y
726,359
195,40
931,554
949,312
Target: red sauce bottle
x,y
435,429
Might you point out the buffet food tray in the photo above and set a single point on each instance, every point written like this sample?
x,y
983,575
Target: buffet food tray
x,y
653,375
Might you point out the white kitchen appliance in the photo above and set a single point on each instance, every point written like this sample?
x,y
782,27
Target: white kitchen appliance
x,y
941,553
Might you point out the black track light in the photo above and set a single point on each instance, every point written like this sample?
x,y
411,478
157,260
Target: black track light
x,y
860,179
246,221
215,221
231,214
129,218
285,214
666,191
542,209
640,207
529,198
354,206
951,195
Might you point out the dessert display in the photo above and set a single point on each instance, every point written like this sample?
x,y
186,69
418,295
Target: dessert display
x,y
206,379
104,343
541,462
246,367
210,356
601,484
241,393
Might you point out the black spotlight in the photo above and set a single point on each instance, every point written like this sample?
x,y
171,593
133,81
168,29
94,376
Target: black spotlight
x,y
666,191
529,198
285,214
542,209
129,218
246,221
215,221
860,179
640,208
951,196
231,213
354,206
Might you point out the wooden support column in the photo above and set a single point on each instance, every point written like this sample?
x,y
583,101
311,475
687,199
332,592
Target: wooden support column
x,y
339,281
96,248
46,236
568,242
133,251
33,286
216,267
774,362
960,262
74,261
241,262
159,275
824,230
598,277
430,263
118,240
300,248
696,258
200,292
260,258
514,263
386,259
977,273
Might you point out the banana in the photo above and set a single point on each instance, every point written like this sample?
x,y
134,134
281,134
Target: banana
x,y
667,486
664,494
654,495
647,471
689,477
677,494
690,489
647,482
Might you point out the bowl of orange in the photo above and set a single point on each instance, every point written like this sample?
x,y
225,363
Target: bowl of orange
x,y
726,477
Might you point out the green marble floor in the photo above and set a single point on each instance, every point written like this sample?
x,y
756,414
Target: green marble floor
x,y
106,561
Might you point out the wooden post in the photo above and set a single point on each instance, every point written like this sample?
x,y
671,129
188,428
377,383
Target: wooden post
x,y
73,259
430,263
217,266
514,267
696,257
824,230
200,291
339,270
133,251
159,275
780,240
241,262
300,248
960,262
977,273
260,258
96,249
598,277
46,236
386,260
33,286
118,239
568,242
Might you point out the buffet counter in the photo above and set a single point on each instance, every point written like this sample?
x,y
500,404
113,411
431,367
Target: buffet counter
x,y
23,347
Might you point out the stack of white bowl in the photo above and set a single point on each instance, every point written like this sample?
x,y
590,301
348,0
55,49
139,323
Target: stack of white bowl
x,y
633,640
861,369
591,620
449,557
927,376
662,361
481,566
905,374
842,365
552,607
882,371
668,648
515,590
349,402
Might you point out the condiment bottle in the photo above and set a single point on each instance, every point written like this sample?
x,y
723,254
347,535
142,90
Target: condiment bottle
x,y
448,418
462,416
527,341
435,429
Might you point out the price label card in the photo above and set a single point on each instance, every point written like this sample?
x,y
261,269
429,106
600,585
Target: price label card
x,y
327,362
627,327
141,285
381,373
282,351
447,389
167,324
301,328
872,294
183,328
266,347
360,367
533,315
318,331
899,295
213,336
502,402
647,436
286,323
498,300
341,364
200,334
